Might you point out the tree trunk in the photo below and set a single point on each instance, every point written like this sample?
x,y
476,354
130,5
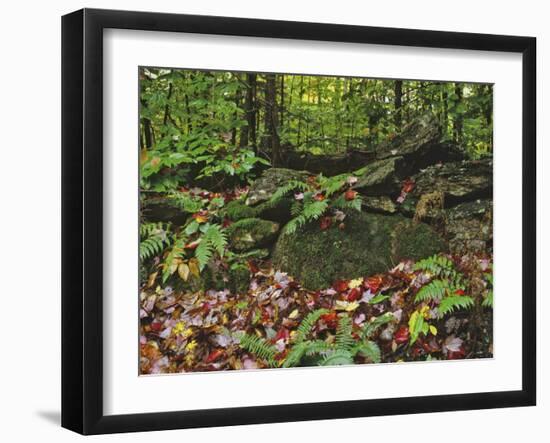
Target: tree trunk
x,y
457,123
272,121
397,103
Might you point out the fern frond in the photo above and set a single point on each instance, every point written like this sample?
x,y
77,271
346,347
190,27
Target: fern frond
x,y
371,327
307,324
186,202
214,239
154,239
260,348
337,358
292,185
368,349
314,210
435,290
488,300
295,355
454,302
437,265
342,203
344,340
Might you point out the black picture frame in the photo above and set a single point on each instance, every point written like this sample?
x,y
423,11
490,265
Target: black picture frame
x,y
82,218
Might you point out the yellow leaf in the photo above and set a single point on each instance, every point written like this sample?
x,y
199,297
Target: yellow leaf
x,y
355,283
191,345
143,156
346,306
183,271
178,328
151,280
433,330
294,314
194,267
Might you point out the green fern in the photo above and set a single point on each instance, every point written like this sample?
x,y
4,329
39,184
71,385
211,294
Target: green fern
x,y
311,210
454,302
213,240
186,202
282,191
370,328
338,358
177,251
342,203
488,300
368,349
436,265
155,237
435,290
307,324
260,348
344,340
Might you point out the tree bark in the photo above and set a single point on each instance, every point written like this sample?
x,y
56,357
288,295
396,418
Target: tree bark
x,y
272,121
397,103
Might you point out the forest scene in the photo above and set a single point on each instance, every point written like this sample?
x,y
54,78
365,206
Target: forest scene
x,y
294,220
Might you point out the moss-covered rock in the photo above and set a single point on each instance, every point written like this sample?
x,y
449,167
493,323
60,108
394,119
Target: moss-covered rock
x,y
382,177
263,188
251,233
368,244
237,210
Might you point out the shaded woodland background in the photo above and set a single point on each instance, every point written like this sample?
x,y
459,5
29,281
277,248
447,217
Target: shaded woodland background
x,y
282,118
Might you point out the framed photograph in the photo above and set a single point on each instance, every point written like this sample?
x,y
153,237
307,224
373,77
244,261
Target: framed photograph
x,y
269,221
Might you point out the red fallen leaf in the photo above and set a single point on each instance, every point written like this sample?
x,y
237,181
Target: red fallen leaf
x,y
401,335
226,222
214,355
281,355
192,245
253,267
340,285
325,223
205,308
408,186
460,292
204,194
354,294
350,194
265,316
156,326
456,355
330,319
373,283
184,189
282,334
319,196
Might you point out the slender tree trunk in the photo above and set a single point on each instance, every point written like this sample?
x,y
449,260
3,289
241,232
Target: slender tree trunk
x,y
458,121
272,121
300,115
397,103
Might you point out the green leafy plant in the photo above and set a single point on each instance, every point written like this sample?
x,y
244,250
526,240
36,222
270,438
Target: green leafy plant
x,y
320,196
341,351
154,237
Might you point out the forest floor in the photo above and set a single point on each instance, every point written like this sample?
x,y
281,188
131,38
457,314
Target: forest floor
x,y
201,331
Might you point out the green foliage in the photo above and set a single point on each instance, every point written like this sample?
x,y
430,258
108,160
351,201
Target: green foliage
x,y
307,324
342,350
260,348
451,303
154,238
213,240
435,290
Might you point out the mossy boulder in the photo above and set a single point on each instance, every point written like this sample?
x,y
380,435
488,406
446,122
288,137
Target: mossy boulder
x,y
251,233
368,244
382,177
263,188
469,226
458,181
237,210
